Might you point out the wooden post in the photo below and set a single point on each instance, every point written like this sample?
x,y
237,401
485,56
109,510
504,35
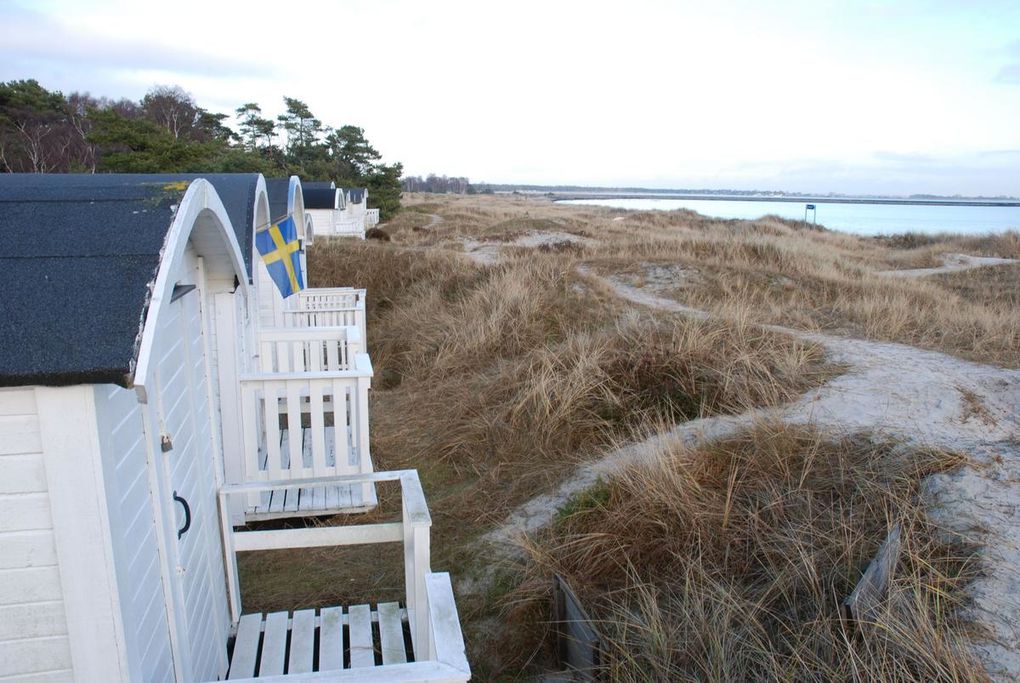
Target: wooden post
x,y
228,361
578,643
229,557
864,603
416,522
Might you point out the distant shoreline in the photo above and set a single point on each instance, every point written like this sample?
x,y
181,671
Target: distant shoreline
x,y
557,197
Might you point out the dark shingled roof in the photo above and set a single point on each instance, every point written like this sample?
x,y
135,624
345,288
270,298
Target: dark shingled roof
x,y
317,185
278,191
319,198
76,256
236,191
356,194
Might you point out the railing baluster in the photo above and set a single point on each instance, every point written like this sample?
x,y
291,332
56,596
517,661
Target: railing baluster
x,y
294,427
295,351
332,359
318,427
282,356
274,464
298,362
341,429
266,356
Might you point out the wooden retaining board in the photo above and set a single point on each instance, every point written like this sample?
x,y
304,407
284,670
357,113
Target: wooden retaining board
x,y
578,643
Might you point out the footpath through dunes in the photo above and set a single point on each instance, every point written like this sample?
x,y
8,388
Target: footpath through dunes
x,y
923,398
951,263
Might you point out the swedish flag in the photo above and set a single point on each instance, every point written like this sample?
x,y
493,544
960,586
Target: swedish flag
x,y
281,253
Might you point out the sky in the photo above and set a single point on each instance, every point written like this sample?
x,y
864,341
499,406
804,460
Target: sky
x,y
879,97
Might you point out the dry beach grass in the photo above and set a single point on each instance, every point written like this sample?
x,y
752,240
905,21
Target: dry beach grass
x,y
503,361
729,563
773,271
494,381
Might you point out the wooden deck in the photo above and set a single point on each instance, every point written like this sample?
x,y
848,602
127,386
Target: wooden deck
x,y
310,502
329,639
422,642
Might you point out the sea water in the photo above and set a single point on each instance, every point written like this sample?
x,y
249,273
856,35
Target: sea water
x,y
857,218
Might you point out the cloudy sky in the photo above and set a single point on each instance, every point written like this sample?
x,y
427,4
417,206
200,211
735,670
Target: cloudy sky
x,y
891,97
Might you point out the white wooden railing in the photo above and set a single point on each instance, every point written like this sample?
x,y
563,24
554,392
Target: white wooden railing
x,y
331,297
328,307
371,218
276,408
309,348
436,636
302,411
346,227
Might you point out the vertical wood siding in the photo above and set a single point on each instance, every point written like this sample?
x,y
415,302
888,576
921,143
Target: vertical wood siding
x,y
33,628
133,529
323,221
185,417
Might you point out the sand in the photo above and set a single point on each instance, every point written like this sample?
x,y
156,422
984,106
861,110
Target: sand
x,y
488,252
951,263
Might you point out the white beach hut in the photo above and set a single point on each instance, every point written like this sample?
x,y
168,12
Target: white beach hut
x,y
356,206
264,365
117,551
324,205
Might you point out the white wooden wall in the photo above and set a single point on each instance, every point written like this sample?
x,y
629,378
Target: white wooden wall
x,y
133,528
323,221
33,627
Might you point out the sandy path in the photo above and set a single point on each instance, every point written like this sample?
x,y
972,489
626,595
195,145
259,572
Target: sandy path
x,y
488,252
951,263
920,397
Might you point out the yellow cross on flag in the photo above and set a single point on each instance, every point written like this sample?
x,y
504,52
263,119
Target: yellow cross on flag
x,y
281,252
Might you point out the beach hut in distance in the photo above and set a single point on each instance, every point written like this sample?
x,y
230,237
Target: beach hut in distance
x,y
117,546
323,202
319,306
356,211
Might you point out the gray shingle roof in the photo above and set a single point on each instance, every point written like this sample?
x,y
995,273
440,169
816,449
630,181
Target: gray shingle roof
x,y
319,198
76,256
278,191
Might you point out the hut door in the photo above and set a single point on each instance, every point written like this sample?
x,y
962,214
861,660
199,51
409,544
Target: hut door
x,y
189,481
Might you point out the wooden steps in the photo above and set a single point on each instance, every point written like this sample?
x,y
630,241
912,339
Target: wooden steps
x,y
328,639
310,502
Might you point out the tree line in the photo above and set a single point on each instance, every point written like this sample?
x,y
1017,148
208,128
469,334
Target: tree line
x,y
435,183
43,131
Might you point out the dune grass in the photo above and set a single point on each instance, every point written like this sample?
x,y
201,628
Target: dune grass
x,y
996,287
503,377
494,382
771,270
729,563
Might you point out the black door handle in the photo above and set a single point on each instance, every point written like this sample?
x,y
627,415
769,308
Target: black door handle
x,y
187,516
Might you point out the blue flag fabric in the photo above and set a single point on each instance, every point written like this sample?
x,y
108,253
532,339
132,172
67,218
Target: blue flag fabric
x,y
281,252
